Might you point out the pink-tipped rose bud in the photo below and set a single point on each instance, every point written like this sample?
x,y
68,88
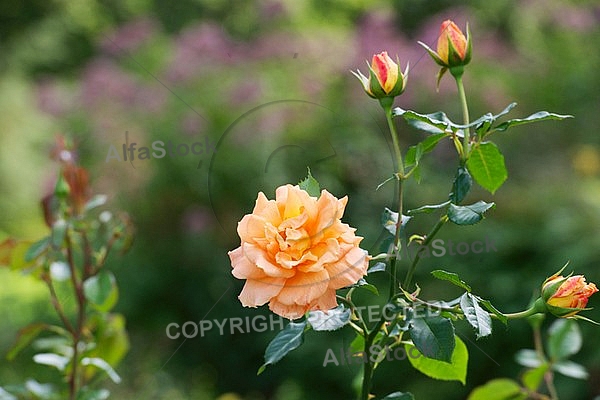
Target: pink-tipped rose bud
x,y
566,296
453,48
385,77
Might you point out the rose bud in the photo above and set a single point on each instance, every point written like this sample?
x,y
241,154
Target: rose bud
x,y
385,77
453,49
566,296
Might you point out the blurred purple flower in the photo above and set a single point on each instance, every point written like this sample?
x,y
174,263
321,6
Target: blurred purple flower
x,y
103,80
199,47
53,98
129,37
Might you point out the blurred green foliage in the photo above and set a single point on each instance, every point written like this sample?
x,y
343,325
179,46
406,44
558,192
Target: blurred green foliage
x,y
269,82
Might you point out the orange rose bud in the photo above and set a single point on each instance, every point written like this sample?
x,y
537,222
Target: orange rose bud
x,y
453,49
295,252
385,77
566,296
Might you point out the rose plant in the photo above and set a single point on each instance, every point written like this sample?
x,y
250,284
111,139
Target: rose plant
x,y
298,256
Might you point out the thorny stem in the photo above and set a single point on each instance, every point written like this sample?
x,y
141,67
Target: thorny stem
x,y
465,112
428,239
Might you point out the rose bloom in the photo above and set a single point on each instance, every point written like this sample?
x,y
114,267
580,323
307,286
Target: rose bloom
x,y
572,293
295,252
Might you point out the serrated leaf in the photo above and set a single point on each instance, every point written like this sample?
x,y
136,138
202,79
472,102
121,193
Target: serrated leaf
x,y
433,337
450,277
310,185
564,339
528,358
476,316
498,389
488,306
538,116
570,369
101,291
332,320
532,378
461,185
378,267
399,396
486,165
434,123
290,338
455,370
468,215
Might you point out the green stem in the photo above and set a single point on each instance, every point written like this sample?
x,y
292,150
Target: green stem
x,y
428,239
536,308
387,107
465,111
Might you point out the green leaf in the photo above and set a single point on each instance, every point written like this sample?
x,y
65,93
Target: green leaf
x,y
532,378
101,291
434,123
332,320
538,116
363,284
414,153
475,315
450,277
24,337
290,338
486,165
399,396
96,201
112,341
570,369
456,370
4,395
488,306
528,358
378,267
59,232
433,337
54,360
389,219
104,366
310,185
564,339
427,209
93,394
461,186
498,389
36,249
468,215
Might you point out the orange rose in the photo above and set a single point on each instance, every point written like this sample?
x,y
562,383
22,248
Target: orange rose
x,y
565,297
295,252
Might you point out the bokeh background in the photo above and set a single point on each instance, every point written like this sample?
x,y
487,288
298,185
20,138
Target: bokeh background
x,y
268,82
